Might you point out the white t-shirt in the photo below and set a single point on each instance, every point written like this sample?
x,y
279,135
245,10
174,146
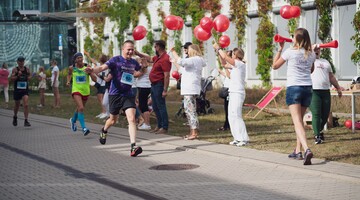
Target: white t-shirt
x,y
42,82
320,76
191,75
144,80
55,69
103,74
299,68
237,77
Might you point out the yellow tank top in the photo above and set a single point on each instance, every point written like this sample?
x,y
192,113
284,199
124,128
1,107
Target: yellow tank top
x,y
80,81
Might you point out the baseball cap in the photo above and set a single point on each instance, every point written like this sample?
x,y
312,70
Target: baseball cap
x,y
20,59
186,45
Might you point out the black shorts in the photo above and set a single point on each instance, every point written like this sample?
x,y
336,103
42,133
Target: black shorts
x,y
18,94
101,90
117,102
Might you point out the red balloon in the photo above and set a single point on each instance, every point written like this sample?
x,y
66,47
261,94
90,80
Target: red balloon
x,y
201,34
206,23
139,32
171,22
221,23
175,75
181,23
348,123
285,12
224,41
295,11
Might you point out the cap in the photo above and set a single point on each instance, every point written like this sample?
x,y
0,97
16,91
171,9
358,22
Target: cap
x,y
20,59
186,45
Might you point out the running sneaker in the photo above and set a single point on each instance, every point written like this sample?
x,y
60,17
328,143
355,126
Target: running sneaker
x,y
86,131
103,135
242,143
135,151
307,157
318,139
144,127
14,121
235,142
296,156
72,125
26,123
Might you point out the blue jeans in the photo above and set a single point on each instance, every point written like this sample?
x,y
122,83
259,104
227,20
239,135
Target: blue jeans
x,y
159,105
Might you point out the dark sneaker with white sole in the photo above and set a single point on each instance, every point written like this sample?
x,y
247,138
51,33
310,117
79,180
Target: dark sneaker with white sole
x,y
307,157
296,156
103,135
86,131
135,151
318,139
322,136
73,125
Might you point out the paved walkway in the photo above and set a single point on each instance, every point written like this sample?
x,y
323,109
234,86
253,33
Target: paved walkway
x,y
48,161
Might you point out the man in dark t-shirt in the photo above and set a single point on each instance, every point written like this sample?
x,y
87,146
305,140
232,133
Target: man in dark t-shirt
x,y
123,70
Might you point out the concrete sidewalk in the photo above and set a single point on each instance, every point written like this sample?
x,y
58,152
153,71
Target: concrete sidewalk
x,y
49,161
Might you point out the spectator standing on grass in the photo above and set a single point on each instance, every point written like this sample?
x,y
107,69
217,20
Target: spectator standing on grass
x,y
191,69
123,69
300,63
322,78
100,83
55,83
159,78
4,82
236,93
42,86
226,74
80,90
144,87
21,76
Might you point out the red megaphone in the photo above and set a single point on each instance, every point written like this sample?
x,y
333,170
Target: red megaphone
x,y
279,38
332,44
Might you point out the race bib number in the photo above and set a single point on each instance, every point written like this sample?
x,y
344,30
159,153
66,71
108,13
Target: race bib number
x,y
21,85
80,79
127,78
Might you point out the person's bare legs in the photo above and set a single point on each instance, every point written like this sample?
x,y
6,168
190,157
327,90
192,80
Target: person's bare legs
x,y
100,100
56,97
25,99
42,96
146,116
297,114
130,116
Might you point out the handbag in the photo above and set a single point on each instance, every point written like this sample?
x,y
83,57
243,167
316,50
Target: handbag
x,y
224,92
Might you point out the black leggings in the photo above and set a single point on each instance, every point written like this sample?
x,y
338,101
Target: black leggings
x,y
143,99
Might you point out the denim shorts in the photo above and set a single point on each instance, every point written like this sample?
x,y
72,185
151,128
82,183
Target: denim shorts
x,y
299,95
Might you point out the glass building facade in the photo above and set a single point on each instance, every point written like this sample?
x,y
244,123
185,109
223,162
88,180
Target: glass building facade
x,y
38,38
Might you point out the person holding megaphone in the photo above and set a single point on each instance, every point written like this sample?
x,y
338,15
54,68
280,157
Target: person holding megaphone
x,y
322,78
300,60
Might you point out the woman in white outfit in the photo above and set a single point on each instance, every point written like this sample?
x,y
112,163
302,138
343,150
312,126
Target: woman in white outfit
x,y
190,69
144,87
236,94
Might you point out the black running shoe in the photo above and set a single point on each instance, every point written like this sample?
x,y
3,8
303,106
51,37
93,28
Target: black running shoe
x,y
103,135
26,123
318,139
86,131
135,151
307,157
14,121
296,156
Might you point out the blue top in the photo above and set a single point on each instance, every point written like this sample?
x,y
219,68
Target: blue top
x,y
122,71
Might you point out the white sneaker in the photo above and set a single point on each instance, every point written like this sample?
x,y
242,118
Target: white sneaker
x,y
235,142
98,116
242,143
103,116
144,127
39,106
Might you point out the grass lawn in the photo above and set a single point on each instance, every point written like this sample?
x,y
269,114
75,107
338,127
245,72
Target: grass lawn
x,y
266,132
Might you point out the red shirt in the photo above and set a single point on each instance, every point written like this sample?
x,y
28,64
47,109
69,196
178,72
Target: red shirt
x,y
160,65
4,74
